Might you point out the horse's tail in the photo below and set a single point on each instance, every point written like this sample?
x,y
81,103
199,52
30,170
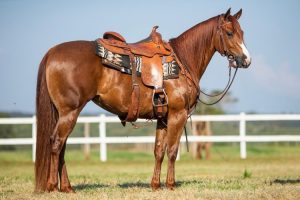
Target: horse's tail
x,y
46,120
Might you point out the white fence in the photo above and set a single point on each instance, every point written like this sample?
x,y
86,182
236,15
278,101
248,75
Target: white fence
x,y
103,140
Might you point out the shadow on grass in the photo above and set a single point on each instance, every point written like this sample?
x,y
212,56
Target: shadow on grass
x,y
129,185
137,184
188,182
88,186
286,181
147,185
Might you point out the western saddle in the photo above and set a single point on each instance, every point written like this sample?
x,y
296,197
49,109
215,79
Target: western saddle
x,y
152,53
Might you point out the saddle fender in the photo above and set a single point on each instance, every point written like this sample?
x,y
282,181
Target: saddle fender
x,y
152,72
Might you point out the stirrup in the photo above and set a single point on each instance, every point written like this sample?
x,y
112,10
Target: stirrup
x,y
162,96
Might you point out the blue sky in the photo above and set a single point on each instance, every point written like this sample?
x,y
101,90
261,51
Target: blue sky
x,y
272,31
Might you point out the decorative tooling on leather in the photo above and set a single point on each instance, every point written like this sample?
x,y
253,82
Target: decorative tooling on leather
x,y
122,63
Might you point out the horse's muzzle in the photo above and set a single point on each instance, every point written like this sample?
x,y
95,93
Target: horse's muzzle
x,y
239,61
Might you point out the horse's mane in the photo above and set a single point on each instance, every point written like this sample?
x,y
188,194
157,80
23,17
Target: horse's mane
x,y
189,47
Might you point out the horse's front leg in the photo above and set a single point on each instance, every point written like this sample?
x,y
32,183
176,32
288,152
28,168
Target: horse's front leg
x,y
159,151
176,122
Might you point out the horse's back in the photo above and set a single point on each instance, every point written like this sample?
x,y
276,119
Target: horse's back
x,y
71,72
80,49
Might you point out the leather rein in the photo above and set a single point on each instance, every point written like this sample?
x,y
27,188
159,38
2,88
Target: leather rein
x,y
222,93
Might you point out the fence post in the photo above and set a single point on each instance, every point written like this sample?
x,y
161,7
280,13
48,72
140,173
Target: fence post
x,y
243,148
102,134
86,147
178,152
33,137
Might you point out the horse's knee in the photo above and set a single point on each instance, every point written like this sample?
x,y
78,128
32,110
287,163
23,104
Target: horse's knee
x,y
159,152
159,156
172,154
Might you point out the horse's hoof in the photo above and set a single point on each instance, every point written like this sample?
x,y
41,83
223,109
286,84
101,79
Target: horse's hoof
x,y
52,187
67,189
155,186
170,186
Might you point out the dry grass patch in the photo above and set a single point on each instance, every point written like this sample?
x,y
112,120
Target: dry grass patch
x,y
272,177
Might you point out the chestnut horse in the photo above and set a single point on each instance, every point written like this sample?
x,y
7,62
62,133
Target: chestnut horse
x,y
203,129
71,74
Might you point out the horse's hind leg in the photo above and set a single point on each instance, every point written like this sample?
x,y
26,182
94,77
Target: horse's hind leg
x,y
159,152
65,185
64,126
199,150
207,150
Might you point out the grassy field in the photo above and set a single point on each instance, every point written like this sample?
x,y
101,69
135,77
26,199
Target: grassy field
x,y
269,172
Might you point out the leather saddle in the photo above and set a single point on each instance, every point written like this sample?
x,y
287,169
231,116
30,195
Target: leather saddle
x,y
152,51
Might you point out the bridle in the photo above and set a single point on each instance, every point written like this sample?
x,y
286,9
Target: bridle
x,y
230,58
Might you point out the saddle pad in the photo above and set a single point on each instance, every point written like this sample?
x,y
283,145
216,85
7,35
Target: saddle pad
x,y
122,63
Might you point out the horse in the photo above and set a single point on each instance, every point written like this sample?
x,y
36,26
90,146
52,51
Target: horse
x,y
202,128
71,74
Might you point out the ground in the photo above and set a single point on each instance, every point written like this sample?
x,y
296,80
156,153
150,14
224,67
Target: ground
x,y
269,172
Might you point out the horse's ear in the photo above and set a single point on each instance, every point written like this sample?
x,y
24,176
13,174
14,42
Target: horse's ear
x,y
227,14
238,14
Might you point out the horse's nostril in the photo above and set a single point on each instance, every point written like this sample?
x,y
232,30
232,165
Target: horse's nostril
x,y
246,63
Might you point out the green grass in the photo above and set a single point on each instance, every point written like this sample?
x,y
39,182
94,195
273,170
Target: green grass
x,y
269,172
247,174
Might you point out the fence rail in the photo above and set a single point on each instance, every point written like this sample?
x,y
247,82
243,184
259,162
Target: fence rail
x,y
103,140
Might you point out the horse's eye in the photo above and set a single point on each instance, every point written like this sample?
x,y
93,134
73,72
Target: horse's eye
x,y
229,33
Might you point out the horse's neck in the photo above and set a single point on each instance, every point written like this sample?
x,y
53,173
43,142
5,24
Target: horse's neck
x,y
195,47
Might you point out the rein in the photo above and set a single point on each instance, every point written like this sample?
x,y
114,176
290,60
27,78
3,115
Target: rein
x,y
223,93
218,94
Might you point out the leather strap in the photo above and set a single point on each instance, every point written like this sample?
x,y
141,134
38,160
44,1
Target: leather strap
x,y
133,110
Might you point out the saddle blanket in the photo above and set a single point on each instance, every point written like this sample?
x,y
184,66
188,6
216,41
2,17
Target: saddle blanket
x,y
122,63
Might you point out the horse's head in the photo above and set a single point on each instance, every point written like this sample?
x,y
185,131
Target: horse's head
x,y
229,40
